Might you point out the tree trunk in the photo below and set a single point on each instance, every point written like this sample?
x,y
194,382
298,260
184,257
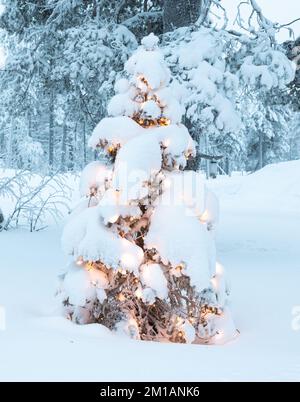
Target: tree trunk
x,y
180,13
2,142
29,118
51,131
63,148
227,166
206,150
9,151
260,151
84,141
71,150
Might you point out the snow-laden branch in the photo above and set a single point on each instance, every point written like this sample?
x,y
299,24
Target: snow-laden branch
x,y
225,17
264,24
143,16
34,199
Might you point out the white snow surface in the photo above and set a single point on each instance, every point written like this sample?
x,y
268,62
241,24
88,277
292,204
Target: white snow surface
x,y
140,156
169,100
269,68
122,105
113,205
180,237
150,42
175,138
86,236
81,284
124,131
136,163
176,230
150,65
258,243
115,130
94,175
152,277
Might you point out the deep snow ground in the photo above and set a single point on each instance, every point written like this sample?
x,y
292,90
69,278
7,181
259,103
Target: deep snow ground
x,y
259,244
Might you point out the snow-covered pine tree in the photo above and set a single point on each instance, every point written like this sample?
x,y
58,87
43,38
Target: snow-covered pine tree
x,y
142,237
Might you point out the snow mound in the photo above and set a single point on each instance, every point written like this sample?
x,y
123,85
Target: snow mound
x,y
115,131
206,45
281,180
136,163
177,143
153,277
147,64
168,99
185,188
122,86
181,239
150,42
86,236
122,105
178,231
94,176
81,284
113,205
275,188
269,68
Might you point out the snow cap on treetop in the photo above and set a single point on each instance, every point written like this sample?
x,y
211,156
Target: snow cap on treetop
x,y
147,64
150,42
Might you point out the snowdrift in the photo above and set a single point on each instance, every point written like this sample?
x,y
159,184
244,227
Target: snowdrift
x,y
275,188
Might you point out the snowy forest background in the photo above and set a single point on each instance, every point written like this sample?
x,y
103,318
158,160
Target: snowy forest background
x,y
232,73
61,59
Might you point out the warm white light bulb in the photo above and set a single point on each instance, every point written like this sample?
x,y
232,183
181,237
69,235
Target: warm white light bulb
x,y
138,293
219,269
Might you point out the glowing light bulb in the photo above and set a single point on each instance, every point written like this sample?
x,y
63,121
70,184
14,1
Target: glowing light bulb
x,y
204,217
111,149
138,293
163,121
180,267
121,297
114,218
219,269
89,265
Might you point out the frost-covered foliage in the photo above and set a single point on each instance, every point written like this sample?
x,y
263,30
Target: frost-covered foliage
x,y
295,136
213,69
58,76
32,201
268,130
63,57
142,237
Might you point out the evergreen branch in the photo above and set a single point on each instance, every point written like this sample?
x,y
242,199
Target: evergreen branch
x,y
149,15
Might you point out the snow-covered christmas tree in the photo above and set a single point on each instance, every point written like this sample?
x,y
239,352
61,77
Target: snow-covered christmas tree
x,y
142,236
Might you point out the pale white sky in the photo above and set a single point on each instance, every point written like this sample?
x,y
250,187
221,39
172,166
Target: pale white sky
x,y
281,11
